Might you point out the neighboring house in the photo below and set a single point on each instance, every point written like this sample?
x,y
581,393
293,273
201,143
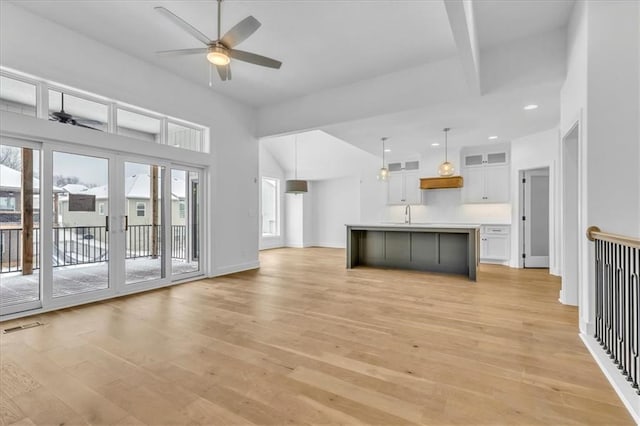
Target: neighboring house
x,y
138,210
137,192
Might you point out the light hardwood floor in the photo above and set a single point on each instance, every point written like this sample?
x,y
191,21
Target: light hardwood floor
x,y
305,341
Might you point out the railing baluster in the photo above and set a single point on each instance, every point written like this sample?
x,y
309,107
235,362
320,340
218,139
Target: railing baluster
x,y
617,301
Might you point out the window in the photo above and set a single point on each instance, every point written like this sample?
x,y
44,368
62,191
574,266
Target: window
x,y
184,137
139,126
78,111
181,209
140,209
17,96
8,203
73,106
101,209
270,207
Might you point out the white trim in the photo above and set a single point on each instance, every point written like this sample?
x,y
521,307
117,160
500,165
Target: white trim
x,y
627,394
232,269
330,244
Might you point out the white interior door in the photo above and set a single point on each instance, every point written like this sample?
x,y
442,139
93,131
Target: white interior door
x,y
535,190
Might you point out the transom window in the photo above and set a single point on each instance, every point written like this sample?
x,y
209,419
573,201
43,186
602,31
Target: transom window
x,y
19,94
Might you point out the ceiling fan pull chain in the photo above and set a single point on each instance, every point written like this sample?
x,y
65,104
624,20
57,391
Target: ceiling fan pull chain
x,y
210,67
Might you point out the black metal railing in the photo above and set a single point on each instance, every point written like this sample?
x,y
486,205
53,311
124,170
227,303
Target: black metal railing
x,y
11,249
617,301
78,245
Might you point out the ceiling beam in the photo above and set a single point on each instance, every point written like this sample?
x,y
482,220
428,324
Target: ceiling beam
x,y
463,27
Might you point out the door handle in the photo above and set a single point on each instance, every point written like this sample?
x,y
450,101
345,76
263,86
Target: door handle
x,y
106,223
126,223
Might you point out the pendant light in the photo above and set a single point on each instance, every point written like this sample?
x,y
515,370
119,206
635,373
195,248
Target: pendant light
x,y
446,168
383,174
296,186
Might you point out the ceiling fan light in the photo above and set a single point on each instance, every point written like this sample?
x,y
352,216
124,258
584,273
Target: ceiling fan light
x,y
218,57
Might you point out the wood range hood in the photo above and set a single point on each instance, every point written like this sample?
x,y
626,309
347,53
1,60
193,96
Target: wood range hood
x,y
442,182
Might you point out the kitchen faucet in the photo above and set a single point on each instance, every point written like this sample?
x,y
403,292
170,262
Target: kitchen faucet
x,y
407,214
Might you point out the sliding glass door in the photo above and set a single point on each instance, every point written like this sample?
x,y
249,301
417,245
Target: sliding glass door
x,y
144,212
20,255
80,230
185,222
106,224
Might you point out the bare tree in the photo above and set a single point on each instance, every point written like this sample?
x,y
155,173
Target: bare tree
x,y
10,156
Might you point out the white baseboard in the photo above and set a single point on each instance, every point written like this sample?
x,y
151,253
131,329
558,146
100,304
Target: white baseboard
x,y
339,245
232,269
496,262
627,394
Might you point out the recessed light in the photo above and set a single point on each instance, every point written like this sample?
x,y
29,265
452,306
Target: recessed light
x,y
387,150
435,144
492,138
530,107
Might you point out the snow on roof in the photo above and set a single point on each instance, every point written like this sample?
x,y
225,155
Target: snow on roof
x,y
139,186
11,180
74,188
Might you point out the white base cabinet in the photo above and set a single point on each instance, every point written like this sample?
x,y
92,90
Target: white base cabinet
x,y
495,243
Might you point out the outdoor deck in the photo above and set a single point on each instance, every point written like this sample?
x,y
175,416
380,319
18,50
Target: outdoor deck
x,y
17,288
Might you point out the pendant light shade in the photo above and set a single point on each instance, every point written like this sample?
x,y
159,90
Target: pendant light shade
x,y
446,168
296,186
383,173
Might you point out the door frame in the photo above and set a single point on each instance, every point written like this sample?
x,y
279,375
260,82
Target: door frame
x,y
165,194
201,225
46,241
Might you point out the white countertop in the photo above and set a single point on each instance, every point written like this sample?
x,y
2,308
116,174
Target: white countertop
x,y
415,225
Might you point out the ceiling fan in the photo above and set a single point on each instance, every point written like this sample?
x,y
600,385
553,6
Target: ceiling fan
x,y
66,118
220,51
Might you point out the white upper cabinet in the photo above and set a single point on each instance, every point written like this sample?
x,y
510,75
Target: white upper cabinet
x,y
395,188
486,174
404,183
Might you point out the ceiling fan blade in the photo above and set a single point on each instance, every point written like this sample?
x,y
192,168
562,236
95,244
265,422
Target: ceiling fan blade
x,y
252,58
184,25
89,121
222,71
86,127
179,52
240,32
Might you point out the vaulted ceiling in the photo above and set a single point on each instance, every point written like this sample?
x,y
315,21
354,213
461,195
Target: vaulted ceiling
x,y
361,69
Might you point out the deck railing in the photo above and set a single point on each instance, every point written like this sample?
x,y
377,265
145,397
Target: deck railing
x,y
617,300
78,245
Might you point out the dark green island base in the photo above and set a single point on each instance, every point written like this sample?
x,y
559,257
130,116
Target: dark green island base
x,y
434,248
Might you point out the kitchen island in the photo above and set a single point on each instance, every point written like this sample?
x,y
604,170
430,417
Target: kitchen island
x,y
448,248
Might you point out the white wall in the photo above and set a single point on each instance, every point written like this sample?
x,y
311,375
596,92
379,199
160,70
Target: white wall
x,y
40,47
602,90
269,167
336,202
532,152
